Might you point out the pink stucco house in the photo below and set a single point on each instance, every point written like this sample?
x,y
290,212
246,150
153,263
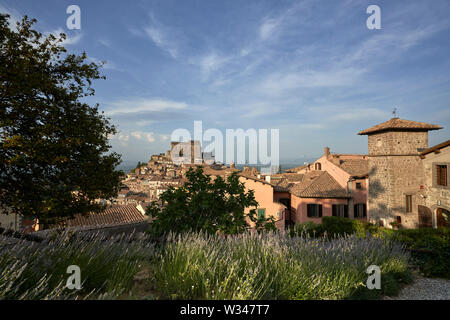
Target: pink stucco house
x,y
268,197
333,185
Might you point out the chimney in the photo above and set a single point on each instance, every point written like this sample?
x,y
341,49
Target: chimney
x,y
326,151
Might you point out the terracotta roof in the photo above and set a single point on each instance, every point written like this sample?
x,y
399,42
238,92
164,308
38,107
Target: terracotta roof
x,y
436,147
400,124
219,172
252,177
320,185
356,165
282,185
113,215
296,169
285,181
356,168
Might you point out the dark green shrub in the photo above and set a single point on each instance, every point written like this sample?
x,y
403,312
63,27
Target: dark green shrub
x,y
309,228
337,226
430,249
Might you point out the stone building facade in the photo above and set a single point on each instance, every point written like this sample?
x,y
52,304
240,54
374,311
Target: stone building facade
x,y
396,171
434,198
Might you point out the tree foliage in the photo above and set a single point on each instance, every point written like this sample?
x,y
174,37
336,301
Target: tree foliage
x,y
208,205
54,150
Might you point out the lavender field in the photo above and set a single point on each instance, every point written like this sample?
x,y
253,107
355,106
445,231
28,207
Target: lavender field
x,y
199,266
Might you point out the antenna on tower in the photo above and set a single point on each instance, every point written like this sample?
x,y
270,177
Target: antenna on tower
x,y
394,112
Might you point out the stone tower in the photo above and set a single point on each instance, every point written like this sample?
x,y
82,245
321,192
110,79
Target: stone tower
x,y
396,170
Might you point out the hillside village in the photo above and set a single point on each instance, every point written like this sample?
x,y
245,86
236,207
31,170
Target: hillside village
x,y
402,182
273,165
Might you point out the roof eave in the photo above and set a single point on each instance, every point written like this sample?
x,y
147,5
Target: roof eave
x,y
369,132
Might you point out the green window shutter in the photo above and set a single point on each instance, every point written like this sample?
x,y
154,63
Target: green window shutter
x,y
261,213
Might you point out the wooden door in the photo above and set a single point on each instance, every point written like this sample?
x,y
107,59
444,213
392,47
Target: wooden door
x,y
425,217
442,217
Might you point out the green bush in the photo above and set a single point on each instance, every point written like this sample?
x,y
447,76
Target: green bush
x,y
337,226
430,249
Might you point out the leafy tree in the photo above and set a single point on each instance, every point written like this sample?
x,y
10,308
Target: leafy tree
x,y
54,159
206,204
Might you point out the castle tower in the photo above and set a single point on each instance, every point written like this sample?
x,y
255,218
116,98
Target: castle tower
x,y
396,170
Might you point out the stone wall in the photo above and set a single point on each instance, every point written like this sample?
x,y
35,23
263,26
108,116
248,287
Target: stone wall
x,y
397,142
433,194
395,171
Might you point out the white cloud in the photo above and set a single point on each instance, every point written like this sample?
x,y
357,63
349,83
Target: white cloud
x,y
279,83
148,136
108,64
143,105
143,123
212,62
137,135
268,28
123,137
161,40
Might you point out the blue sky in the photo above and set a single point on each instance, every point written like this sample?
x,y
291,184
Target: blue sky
x,y
310,68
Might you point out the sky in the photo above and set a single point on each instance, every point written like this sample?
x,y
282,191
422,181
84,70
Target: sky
x,y
310,68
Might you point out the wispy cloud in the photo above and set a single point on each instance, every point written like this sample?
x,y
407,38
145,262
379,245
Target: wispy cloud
x,y
268,28
107,65
158,33
160,39
280,83
138,105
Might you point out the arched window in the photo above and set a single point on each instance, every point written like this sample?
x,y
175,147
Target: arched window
x,y
318,166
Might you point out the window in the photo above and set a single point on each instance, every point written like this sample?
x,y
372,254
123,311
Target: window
x,y
280,214
358,185
408,204
340,210
360,210
261,214
441,175
318,166
314,210
399,219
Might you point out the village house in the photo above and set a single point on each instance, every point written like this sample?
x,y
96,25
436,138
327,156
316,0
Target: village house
x,y
434,197
268,197
333,185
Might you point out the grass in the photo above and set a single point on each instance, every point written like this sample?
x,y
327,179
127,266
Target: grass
x,y
274,266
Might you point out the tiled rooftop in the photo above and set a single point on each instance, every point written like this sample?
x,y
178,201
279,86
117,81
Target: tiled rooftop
x,y
318,184
113,215
400,124
355,165
436,148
